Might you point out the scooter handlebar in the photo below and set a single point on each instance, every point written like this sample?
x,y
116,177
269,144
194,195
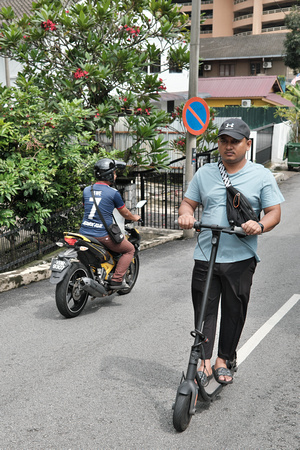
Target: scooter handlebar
x,y
229,230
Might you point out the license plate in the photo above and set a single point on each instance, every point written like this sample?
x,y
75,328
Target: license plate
x,y
58,265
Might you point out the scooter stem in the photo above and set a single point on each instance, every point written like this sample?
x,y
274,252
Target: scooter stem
x,y
199,338
215,243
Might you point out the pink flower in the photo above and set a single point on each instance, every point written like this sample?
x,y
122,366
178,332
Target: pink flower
x,y
132,31
80,73
49,25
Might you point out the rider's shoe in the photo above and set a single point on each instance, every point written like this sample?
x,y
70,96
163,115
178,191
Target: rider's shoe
x,y
116,285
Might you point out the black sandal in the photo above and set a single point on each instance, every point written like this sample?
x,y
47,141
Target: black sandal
x,y
202,378
222,372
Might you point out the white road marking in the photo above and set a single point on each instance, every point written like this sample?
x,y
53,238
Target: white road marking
x,y
250,345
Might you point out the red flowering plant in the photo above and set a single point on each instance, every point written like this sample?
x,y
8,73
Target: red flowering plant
x,y
41,163
48,25
162,86
99,54
80,73
179,144
130,32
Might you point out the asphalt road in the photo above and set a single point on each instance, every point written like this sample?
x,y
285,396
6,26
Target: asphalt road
x,y
107,379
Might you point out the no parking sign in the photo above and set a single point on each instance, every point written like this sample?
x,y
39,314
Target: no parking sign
x,y
195,115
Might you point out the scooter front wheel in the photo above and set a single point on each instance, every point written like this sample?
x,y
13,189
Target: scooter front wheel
x,y
70,298
181,414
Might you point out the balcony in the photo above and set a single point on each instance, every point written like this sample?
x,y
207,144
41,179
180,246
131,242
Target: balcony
x,y
246,16
274,29
277,11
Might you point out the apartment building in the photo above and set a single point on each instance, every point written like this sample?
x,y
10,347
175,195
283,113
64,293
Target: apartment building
x,y
240,17
242,37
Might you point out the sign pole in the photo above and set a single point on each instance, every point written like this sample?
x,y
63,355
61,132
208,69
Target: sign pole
x,y
193,92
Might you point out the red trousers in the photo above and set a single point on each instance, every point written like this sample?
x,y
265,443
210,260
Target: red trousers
x,y
232,283
127,250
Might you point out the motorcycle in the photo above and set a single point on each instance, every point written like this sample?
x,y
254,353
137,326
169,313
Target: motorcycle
x,y
86,267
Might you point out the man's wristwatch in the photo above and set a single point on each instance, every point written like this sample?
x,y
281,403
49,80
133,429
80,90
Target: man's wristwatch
x,y
261,226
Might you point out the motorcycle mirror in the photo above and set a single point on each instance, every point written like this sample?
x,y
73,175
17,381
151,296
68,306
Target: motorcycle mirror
x,y
141,203
120,165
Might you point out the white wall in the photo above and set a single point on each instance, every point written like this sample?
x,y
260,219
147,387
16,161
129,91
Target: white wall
x,y
281,135
14,68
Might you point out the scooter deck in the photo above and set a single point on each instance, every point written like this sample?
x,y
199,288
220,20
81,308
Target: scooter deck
x,y
208,393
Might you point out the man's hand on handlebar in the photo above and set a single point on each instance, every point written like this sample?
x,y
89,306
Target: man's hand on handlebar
x,y
136,218
128,215
251,227
186,221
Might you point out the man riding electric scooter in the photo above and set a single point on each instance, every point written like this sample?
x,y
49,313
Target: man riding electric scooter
x,y
236,258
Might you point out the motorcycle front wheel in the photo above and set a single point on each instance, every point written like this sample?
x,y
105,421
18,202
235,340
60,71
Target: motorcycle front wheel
x,y
70,298
131,275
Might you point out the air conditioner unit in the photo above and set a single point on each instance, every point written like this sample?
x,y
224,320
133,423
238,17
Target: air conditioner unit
x,y
207,67
246,103
267,65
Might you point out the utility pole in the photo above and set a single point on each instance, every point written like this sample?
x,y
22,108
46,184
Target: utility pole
x,y
7,74
193,92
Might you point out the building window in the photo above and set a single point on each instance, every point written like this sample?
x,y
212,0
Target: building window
x,y
227,70
174,67
155,67
254,68
170,106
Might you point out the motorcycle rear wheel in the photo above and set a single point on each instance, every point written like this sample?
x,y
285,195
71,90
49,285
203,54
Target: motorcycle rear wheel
x,y
131,275
70,298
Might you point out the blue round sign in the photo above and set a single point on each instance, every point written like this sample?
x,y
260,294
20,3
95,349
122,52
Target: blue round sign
x,y
195,115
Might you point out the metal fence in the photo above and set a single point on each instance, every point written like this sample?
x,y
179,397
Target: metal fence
x,y
26,243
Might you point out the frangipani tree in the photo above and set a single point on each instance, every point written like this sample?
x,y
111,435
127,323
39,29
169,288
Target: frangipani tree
x,y
44,156
98,51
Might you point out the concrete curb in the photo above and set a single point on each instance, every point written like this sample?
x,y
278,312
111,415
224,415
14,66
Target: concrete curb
x,y
40,270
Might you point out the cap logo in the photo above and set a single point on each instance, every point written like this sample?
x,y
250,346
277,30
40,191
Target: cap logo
x,y
229,125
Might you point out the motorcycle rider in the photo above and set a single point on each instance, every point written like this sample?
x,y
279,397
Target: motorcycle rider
x,y
108,198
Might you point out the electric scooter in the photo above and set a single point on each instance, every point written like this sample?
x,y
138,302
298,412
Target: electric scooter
x,y
191,388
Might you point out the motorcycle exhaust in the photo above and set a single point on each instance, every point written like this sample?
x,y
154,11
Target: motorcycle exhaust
x,y
92,287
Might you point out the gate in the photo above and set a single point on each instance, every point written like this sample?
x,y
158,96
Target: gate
x,y
264,144
164,191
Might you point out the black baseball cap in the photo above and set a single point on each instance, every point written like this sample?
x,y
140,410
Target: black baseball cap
x,y
235,128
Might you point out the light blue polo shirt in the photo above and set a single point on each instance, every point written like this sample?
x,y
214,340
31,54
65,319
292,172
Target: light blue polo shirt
x,y
207,188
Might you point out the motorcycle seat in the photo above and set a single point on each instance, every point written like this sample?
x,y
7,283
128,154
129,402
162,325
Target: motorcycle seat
x,y
90,238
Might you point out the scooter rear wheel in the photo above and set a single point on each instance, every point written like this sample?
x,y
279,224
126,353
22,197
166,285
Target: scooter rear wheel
x,y
70,298
181,414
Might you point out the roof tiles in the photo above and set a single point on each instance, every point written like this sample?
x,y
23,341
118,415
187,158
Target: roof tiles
x,y
239,87
20,7
243,47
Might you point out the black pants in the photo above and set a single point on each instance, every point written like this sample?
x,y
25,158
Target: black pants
x,y
232,282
